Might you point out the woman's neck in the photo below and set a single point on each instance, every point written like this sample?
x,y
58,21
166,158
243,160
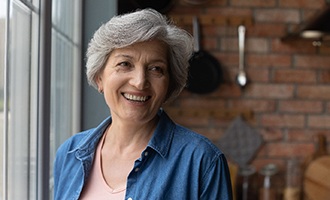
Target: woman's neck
x,y
125,138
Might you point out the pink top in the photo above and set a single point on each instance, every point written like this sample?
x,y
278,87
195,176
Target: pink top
x,y
96,187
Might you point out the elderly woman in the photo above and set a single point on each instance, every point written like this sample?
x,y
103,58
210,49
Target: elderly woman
x,y
139,61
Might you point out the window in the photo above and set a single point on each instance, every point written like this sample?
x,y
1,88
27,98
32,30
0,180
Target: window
x,y
20,96
3,8
66,70
21,102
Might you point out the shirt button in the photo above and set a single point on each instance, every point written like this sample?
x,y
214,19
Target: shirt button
x,y
137,169
130,198
146,153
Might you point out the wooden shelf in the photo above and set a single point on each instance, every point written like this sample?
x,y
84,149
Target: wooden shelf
x,y
212,20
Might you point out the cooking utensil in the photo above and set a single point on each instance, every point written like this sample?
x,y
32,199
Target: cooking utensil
x,y
241,77
162,6
240,142
205,74
293,179
267,191
246,173
317,174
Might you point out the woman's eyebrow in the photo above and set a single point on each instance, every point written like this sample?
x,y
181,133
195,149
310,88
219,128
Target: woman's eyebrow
x,y
122,55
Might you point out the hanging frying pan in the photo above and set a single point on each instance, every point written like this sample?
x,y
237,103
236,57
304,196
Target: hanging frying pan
x,y
160,5
205,74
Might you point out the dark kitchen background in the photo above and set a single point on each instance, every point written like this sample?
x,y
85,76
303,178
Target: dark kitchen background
x,y
287,98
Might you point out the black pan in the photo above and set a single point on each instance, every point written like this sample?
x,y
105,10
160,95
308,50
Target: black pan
x,y
162,6
205,74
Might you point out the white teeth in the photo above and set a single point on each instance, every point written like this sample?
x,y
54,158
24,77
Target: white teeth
x,y
135,98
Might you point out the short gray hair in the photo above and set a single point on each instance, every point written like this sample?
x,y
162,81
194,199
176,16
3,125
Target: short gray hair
x,y
143,25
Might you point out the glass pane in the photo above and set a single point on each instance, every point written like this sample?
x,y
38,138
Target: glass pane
x,y
34,70
65,80
22,83
3,8
19,81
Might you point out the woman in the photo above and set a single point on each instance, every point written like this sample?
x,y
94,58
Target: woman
x,y
139,61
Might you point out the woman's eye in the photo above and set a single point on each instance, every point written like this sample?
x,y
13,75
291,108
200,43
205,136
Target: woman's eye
x,y
123,66
155,70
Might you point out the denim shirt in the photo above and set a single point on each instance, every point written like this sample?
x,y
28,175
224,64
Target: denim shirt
x,y
176,164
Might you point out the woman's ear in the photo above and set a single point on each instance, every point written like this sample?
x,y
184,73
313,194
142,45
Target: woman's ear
x,y
99,84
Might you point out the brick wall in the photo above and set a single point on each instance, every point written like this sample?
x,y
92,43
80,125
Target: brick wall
x,y
289,90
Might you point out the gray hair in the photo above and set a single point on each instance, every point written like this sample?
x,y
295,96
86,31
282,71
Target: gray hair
x,y
139,26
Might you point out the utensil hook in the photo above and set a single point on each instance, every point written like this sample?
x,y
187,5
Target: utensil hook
x,y
196,34
241,45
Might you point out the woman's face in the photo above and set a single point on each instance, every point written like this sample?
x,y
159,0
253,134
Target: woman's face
x,y
135,81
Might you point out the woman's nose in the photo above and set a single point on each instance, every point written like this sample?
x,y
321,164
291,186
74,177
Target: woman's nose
x,y
139,79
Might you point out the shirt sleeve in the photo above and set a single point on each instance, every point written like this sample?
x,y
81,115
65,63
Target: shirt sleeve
x,y
216,184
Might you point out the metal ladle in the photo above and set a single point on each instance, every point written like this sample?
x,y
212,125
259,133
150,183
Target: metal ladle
x,y
241,77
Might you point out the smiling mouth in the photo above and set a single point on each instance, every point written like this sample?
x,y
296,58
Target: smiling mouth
x,y
135,98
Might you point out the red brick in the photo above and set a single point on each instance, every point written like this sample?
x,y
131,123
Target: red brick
x,y
316,4
277,15
214,134
229,44
209,31
268,60
217,3
325,76
300,106
290,149
325,49
318,92
270,91
230,74
228,91
209,44
257,45
257,75
284,120
229,11
223,123
184,10
309,14
301,135
294,76
251,45
201,102
227,58
190,121
256,3
319,121
271,134
202,5
267,30
298,46
255,105
228,31
312,61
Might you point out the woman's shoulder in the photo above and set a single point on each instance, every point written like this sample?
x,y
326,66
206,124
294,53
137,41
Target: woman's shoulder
x,y
85,138
75,140
195,140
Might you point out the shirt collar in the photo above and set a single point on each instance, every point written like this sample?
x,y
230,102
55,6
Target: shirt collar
x,y
163,135
91,140
160,141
